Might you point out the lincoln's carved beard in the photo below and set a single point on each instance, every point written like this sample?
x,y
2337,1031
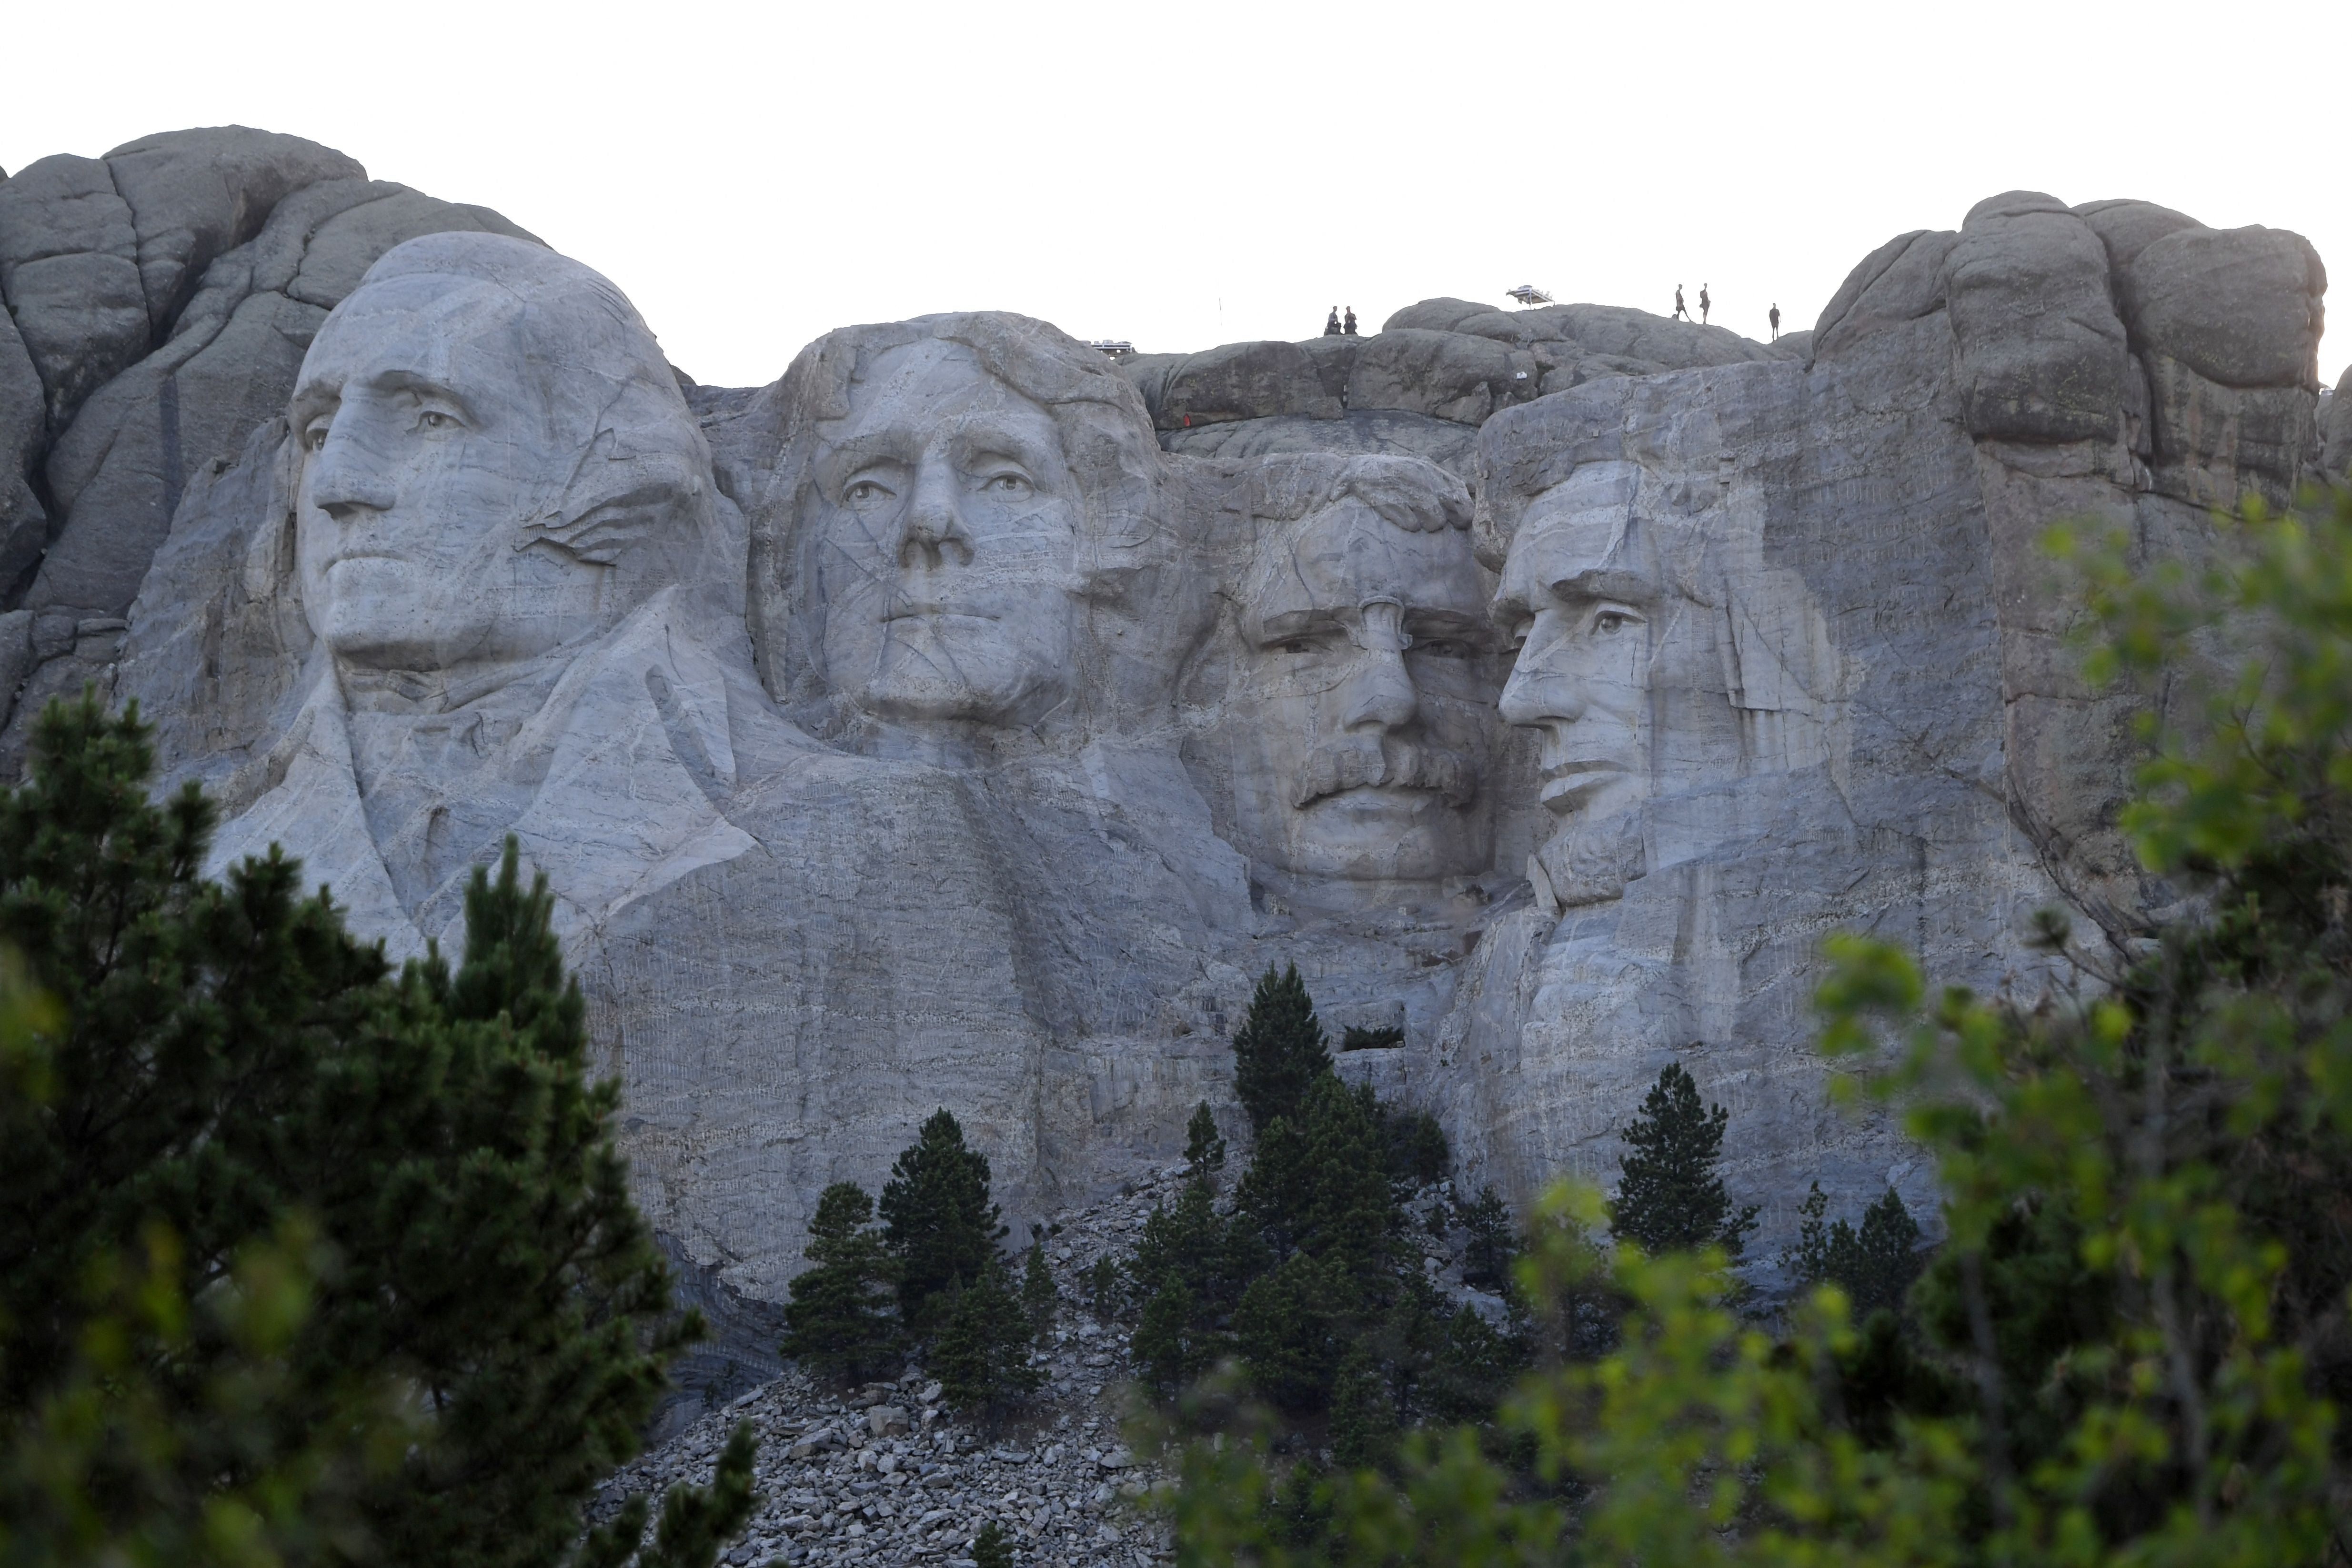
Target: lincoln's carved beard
x,y
1592,863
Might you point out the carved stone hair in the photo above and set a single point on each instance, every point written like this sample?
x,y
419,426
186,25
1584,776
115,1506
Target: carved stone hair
x,y
1408,492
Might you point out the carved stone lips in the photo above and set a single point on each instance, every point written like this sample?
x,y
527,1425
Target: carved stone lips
x,y
1566,784
935,612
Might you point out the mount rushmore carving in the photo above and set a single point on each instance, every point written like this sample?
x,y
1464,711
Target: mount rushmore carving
x,y
965,719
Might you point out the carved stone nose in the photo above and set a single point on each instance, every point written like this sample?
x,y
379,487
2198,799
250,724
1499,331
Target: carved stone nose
x,y
932,535
1381,693
345,485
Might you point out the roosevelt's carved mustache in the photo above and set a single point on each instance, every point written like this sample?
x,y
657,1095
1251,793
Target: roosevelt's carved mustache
x,y
1358,762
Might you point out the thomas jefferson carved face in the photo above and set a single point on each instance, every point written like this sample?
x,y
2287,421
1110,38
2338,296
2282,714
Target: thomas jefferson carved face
x,y
949,526
1366,698
495,462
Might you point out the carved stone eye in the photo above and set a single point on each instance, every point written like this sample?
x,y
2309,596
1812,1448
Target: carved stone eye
x,y
434,419
863,491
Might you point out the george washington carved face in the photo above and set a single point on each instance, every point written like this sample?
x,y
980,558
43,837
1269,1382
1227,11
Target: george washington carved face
x,y
495,459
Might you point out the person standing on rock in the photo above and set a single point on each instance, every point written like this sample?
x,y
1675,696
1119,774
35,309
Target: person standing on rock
x,y
1349,329
1704,304
1682,312
1776,321
1331,327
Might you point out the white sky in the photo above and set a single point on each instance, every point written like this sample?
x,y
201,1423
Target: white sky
x,y
1182,175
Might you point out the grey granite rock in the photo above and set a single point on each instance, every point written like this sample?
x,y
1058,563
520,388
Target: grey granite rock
x,y
194,194
2335,430
240,242
1148,374
1360,431
1334,360
69,274
1244,380
1017,726
1899,282
24,522
1447,375
1440,315
2041,351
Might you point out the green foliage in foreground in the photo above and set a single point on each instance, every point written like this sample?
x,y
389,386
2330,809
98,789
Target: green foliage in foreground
x,y
2133,1347
300,1261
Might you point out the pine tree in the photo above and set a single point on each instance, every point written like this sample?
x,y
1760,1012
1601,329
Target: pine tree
x,y
1417,1154
1189,1271
942,1229
1279,1051
1494,1241
1363,1412
1320,1184
1204,1146
1102,1286
230,1062
1874,1265
1670,1198
980,1353
841,1317
487,1232
1037,1295
695,1522
1473,1368
1293,1326
990,1548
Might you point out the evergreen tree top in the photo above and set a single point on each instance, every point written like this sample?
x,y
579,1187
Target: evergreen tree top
x,y
938,1220
1669,1195
230,1062
1279,1050
1204,1146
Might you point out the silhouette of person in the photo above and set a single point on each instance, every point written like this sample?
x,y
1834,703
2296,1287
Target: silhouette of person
x,y
1331,327
1681,310
1703,304
1350,329
1775,320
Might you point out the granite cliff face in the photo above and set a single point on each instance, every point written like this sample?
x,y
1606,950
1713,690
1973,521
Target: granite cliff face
x,y
967,719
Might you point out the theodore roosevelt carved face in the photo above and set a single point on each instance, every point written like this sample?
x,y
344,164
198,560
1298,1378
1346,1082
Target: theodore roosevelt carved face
x,y
496,461
1363,699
